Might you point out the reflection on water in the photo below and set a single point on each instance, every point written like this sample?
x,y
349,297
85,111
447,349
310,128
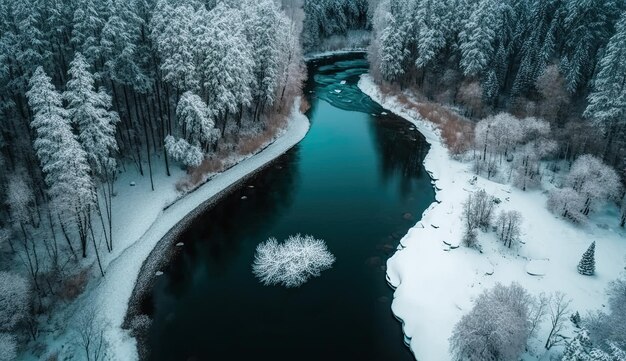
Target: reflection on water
x,y
351,182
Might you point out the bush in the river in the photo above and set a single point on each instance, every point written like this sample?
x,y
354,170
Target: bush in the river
x,y
291,263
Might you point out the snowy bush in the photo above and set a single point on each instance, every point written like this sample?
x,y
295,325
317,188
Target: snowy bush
x,y
8,347
291,263
182,151
14,300
497,328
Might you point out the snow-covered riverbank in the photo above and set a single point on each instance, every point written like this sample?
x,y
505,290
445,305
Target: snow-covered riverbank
x,y
141,221
435,283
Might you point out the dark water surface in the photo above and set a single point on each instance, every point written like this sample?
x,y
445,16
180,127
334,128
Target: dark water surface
x,y
351,182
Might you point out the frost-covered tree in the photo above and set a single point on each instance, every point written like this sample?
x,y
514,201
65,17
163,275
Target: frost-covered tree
x,y
567,203
227,65
89,111
496,138
181,151
20,199
63,160
587,26
497,327
580,348
593,180
607,101
171,30
551,86
478,210
120,44
433,25
264,28
88,21
508,227
195,120
609,327
587,264
8,347
392,32
477,37
291,263
15,301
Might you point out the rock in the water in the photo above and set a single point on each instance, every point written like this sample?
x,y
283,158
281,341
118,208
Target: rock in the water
x,y
408,216
244,197
388,247
180,244
373,261
132,184
158,273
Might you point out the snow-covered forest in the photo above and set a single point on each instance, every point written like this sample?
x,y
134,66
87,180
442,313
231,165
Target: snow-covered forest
x,y
561,61
526,93
89,89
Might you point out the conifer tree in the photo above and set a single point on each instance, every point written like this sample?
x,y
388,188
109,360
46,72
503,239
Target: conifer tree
x,y
587,265
63,160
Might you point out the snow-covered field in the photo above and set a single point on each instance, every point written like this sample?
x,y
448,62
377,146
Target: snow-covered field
x,y
435,283
141,221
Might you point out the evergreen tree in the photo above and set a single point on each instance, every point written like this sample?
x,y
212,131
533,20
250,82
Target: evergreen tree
x,y
587,27
607,101
90,112
587,265
393,37
478,36
87,26
63,160
227,66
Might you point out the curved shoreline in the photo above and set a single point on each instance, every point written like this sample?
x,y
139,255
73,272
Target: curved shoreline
x,y
429,131
116,301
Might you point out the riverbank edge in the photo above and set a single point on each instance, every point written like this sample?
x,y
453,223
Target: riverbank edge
x,y
437,151
144,257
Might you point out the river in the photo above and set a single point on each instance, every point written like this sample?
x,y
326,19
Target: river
x,y
356,181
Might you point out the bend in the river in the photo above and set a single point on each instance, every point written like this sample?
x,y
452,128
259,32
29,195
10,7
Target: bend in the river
x,y
356,181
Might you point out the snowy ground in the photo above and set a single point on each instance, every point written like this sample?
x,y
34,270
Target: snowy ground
x,y
329,53
140,221
435,283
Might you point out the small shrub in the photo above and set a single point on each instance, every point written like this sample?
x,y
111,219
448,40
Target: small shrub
x,y
291,263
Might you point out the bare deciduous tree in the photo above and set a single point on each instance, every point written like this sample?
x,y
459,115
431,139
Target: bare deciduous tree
x,y
90,336
508,227
558,308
